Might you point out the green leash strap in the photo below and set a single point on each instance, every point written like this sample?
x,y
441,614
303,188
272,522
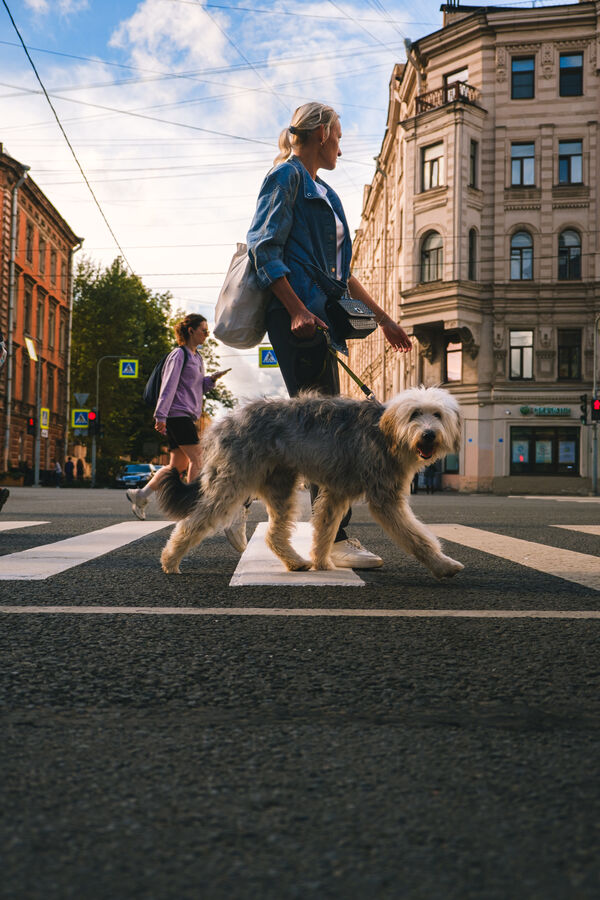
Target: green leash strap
x,y
366,390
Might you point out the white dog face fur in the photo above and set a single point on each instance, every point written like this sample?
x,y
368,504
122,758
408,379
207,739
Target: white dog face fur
x,y
429,421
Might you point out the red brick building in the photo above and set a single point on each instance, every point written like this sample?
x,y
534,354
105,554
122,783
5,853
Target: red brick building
x,y
36,253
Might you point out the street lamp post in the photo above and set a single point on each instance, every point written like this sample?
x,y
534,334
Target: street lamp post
x,y
595,425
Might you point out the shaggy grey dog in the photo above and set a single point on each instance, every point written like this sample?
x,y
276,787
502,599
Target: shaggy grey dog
x,y
350,448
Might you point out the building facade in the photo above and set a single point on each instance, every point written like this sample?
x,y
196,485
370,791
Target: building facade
x,y
36,250
480,233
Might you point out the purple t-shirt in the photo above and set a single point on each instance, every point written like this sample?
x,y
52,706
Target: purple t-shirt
x,y
181,392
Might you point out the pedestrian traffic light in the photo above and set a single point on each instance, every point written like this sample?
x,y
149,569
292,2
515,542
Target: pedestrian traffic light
x,y
584,408
595,409
31,425
92,423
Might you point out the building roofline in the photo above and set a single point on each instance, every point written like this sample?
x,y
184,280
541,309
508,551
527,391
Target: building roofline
x,y
9,162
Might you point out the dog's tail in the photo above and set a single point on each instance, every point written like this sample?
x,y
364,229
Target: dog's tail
x,y
177,499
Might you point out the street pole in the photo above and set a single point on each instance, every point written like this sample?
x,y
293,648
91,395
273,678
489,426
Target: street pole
x,y
118,356
38,413
595,425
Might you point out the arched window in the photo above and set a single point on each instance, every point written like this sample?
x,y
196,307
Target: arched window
x,y
432,252
521,256
472,275
569,255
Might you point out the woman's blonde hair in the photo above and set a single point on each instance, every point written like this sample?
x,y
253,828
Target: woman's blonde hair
x,y
182,329
305,119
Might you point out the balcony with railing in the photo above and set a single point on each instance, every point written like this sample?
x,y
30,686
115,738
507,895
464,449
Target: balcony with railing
x,y
458,91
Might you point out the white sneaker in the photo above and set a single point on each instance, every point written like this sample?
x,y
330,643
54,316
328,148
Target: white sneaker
x,y
350,554
138,504
236,532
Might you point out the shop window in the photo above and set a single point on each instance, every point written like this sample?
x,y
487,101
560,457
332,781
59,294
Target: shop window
x,y
544,451
571,74
451,464
474,165
432,166
521,256
432,251
569,255
523,78
453,362
570,162
569,354
522,165
472,273
521,354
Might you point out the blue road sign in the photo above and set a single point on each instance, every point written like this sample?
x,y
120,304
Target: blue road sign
x,y
267,358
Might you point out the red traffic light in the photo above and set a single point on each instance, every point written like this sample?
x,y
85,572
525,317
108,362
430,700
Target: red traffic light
x,y
92,416
596,405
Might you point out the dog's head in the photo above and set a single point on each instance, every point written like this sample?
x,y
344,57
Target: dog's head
x,y
423,422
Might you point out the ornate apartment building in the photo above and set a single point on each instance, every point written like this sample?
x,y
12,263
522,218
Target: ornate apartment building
x,y
480,233
36,248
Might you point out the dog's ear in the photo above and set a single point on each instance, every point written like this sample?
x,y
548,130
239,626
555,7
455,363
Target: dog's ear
x,y
389,426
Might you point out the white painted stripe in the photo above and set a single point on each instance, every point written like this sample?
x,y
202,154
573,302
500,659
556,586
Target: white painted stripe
x,y
552,497
579,568
10,526
303,613
585,529
50,559
259,566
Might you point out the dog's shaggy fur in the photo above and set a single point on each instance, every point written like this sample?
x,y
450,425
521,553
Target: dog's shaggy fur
x,y
350,448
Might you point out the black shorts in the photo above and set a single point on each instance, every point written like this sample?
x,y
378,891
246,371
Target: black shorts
x,y
181,431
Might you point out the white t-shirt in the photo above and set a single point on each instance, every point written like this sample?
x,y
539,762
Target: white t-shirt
x,y
339,229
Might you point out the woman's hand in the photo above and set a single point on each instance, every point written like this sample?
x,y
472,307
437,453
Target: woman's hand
x,y
305,324
395,334
160,426
220,374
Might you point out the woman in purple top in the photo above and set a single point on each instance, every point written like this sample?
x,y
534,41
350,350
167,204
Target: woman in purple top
x,y
182,388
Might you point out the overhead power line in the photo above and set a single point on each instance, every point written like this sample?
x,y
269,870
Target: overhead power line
x,y
59,123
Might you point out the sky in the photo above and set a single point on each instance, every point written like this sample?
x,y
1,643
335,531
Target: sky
x,y
174,108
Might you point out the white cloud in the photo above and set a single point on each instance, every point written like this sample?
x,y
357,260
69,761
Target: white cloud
x,y
63,7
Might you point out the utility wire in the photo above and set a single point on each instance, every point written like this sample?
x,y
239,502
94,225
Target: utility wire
x,y
79,166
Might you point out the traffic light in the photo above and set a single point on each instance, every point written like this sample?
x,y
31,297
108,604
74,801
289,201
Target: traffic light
x,y
584,408
595,409
31,425
92,423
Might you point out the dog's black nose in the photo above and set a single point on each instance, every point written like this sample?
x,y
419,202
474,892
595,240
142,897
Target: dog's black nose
x,y
429,436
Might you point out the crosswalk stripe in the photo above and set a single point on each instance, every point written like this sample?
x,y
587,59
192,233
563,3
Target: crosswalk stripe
x,y
585,529
11,526
259,566
303,612
579,568
51,559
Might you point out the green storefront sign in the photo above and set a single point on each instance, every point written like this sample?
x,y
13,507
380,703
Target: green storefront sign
x,y
546,410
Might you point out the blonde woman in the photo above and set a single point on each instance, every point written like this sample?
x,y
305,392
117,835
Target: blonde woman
x,y
299,244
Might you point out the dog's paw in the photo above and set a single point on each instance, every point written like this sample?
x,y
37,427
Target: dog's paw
x,y
323,565
171,570
300,565
446,567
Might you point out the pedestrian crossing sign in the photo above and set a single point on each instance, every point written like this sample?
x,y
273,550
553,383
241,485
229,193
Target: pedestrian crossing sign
x,y
267,358
79,418
128,368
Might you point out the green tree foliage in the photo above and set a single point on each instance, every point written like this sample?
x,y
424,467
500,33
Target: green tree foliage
x,y
115,314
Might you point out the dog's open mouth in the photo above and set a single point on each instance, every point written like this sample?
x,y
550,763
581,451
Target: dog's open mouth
x,y
425,452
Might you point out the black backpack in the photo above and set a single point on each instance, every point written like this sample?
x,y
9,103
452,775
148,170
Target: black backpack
x,y
152,389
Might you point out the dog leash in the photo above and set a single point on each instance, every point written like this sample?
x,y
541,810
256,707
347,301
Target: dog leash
x,y
366,390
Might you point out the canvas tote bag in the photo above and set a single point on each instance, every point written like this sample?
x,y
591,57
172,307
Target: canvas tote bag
x,y
242,304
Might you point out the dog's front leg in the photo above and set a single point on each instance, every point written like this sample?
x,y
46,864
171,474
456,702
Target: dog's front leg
x,y
327,514
402,525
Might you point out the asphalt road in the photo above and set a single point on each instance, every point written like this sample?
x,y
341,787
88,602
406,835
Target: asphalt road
x,y
293,757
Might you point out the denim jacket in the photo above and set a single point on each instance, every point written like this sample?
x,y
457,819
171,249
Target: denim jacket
x,y
293,233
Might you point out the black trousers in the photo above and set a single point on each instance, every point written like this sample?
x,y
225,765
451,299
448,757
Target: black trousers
x,y
305,365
